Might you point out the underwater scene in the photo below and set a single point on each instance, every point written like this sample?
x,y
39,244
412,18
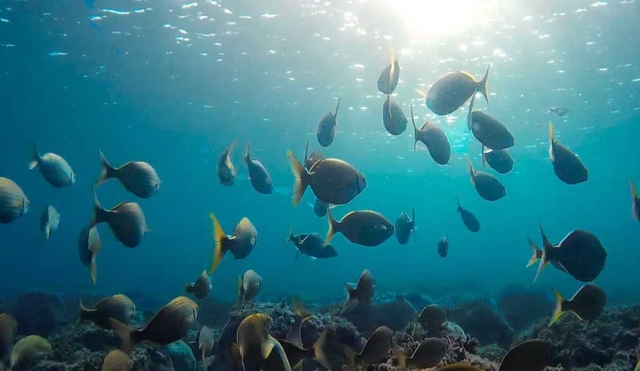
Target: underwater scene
x,y
276,185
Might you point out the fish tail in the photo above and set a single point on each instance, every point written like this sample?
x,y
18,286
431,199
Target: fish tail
x,y
335,115
318,350
107,172
471,170
334,227
415,130
219,249
290,237
240,294
637,366
536,253
402,359
35,156
302,178
351,356
470,113
543,264
482,85
188,288
351,292
47,231
552,140
231,146
483,155
99,214
558,312
126,333
247,153
83,313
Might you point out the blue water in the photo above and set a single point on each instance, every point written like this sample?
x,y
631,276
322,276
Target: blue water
x,y
172,83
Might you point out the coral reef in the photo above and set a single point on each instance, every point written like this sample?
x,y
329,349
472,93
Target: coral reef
x,y
481,319
523,306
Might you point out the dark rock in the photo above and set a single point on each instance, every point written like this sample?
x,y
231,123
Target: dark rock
x,y
522,306
481,320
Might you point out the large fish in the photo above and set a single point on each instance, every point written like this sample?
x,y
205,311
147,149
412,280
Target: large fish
x,y
13,202
393,118
27,351
566,164
389,77
453,89
363,290
255,344
587,303
240,243
364,227
434,138
126,220
8,331
296,354
118,307
487,130
205,342
499,160
258,174
137,177
327,127
54,168
488,186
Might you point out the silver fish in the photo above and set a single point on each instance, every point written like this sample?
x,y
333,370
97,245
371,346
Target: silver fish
x,y
53,168
49,221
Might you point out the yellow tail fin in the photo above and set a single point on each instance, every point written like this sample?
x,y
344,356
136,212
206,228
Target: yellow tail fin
x,y
218,239
333,227
318,350
558,312
107,171
483,85
536,253
300,173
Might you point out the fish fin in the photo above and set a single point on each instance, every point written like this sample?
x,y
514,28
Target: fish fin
x,y
267,346
82,312
247,153
302,178
482,85
422,93
459,204
35,156
558,312
205,365
543,264
107,172
98,212
536,253
413,215
290,237
126,334
318,350
93,268
552,140
351,292
484,157
334,227
47,232
335,115
188,288
470,113
471,170
389,105
240,294
306,151
415,130
392,70
402,359
218,238
231,146
351,356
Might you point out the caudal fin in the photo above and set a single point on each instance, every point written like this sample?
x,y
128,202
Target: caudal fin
x,y
107,172
552,141
335,115
125,333
82,312
93,269
402,359
536,253
247,153
218,249
558,312
318,350
459,204
35,157
302,178
99,214
333,227
415,130
482,85
471,170
470,113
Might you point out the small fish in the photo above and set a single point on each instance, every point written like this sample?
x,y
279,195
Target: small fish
x,y
560,111
171,323
226,171
453,89
635,202
312,245
126,220
253,339
363,227
13,202
499,160
249,286
488,186
118,307
54,168
258,174
137,177
580,254
26,352
487,130
205,344
332,180
393,118
566,164
587,304
320,208
443,247
375,350
363,292
389,77
49,221
240,243
470,221
404,226
531,355
311,159
8,331
89,245
434,138
297,354
432,317
200,289
428,354
117,360
327,128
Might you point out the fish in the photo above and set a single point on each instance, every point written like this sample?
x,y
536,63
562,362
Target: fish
x,y
635,202
560,111
248,287
453,89
226,171
200,289
637,368
301,314
117,360
363,227
327,127
240,243
587,303
434,138
312,245
258,174
297,354
49,221
488,186
432,317
228,335
389,77
171,323
254,342
566,164
428,354
404,226
487,130
311,159
580,254
89,245
8,331
126,220
13,202
205,344
332,180
363,292
118,307
499,160
531,355
27,351
443,247
55,169
320,208
393,118
375,350
470,221
137,177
